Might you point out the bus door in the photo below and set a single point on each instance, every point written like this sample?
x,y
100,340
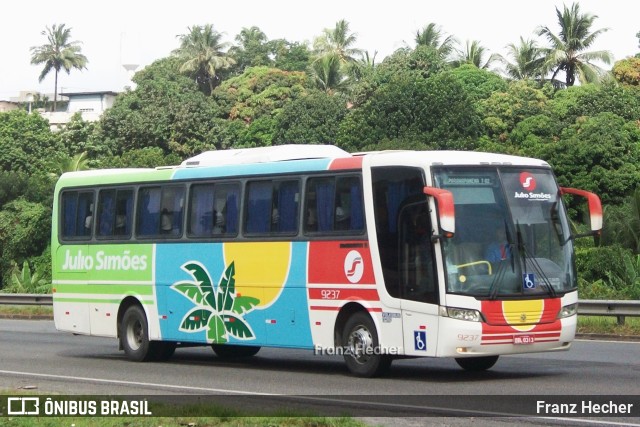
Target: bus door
x,y
403,230
417,279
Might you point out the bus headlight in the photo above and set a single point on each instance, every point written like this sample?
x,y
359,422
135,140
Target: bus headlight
x,y
568,310
461,314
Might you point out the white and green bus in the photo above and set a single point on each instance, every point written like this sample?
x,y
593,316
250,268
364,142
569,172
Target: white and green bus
x,y
377,255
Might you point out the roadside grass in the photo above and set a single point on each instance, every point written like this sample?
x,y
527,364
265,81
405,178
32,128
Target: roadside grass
x,y
608,325
21,311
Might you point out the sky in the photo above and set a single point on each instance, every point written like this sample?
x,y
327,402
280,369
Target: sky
x,y
118,32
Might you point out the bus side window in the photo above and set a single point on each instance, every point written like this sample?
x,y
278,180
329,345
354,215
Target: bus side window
x,y
160,211
334,204
115,213
272,207
76,214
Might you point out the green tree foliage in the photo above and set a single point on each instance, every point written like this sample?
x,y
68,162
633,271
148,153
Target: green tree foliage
x,y
26,143
23,281
475,54
147,157
290,56
312,119
527,60
627,71
622,223
422,62
568,49
588,100
25,230
248,105
202,57
60,53
599,154
436,112
433,36
478,83
505,108
253,50
166,110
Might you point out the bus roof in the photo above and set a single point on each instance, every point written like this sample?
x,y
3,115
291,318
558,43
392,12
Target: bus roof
x,y
287,159
276,153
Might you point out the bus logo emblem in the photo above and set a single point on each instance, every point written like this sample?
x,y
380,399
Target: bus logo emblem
x,y
353,266
527,181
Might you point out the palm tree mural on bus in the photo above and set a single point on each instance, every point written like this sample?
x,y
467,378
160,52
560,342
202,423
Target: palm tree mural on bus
x,y
218,310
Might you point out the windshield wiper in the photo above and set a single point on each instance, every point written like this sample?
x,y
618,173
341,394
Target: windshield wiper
x,y
522,249
497,280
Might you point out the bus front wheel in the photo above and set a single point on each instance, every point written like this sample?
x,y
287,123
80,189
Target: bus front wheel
x,y
134,335
361,347
477,364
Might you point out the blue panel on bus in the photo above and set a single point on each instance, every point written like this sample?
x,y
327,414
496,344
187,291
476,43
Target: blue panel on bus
x,y
251,293
253,169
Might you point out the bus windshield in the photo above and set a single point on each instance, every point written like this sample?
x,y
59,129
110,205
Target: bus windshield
x,y
512,235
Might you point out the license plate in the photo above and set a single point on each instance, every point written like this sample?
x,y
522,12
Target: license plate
x,y
524,339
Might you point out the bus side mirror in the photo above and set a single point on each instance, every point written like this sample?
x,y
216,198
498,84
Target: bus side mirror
x,y
446,210
595,207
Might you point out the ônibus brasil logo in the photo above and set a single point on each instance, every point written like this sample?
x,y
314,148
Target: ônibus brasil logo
x,y
527,181
353,266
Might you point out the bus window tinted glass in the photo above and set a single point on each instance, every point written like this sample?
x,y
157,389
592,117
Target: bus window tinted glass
x,y
77,215
214,210
160,211
334,205
272,207
115,213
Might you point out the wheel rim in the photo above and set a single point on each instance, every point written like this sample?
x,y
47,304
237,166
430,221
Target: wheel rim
x,y
135,334
361,344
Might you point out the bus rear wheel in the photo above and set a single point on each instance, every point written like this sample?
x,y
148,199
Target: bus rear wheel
x,y
230,351
477,364
362,349
134,335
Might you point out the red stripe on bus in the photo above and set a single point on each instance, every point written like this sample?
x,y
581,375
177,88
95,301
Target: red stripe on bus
x,y
346,163
327,308
343,294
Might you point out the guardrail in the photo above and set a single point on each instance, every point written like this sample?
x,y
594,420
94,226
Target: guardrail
x,y
26,299
618,308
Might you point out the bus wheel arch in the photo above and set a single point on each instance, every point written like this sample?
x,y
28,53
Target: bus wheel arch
x,y
356,333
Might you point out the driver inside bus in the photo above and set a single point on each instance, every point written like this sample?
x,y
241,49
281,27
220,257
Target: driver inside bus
x,y
499,250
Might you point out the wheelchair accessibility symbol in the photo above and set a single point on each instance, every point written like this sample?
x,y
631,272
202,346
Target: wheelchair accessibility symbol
x,y
528,281
420,340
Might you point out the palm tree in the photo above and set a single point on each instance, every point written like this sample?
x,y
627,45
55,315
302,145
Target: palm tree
x,y
201,51
253,49
327,75
59,53
338,42
431,36
474,53
567,51
528,60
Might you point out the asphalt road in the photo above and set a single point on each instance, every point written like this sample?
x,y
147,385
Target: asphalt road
x,y
35,356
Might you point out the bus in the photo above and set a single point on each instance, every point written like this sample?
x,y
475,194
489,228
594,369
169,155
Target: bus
x,y
373,256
